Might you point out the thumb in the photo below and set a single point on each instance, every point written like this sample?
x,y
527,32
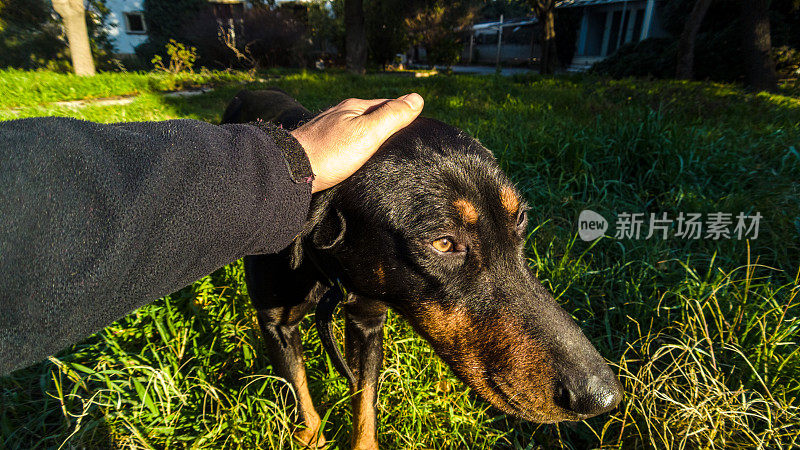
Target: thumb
x,y
394,115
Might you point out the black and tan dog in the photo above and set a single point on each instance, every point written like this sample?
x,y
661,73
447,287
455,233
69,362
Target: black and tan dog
x,y
431,227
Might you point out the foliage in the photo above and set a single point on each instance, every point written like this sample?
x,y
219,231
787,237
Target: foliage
x,y
386,28
260,37
31,36
165,18
718,54
703,333
439,27
653,57
181,58
787,61
326,29
491,10
270,37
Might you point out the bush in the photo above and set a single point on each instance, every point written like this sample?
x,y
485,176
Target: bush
x,y
716,57
261,38
787,62
718,47
181,58
651,57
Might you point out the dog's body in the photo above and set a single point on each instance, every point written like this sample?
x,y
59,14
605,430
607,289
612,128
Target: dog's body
x,y
431,227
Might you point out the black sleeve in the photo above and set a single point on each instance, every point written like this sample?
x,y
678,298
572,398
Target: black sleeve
x,y
97,220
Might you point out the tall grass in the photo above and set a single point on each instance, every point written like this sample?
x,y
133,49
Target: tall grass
x,y
704,334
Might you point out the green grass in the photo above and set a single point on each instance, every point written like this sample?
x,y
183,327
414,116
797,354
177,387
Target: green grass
x,y
25,88
703,333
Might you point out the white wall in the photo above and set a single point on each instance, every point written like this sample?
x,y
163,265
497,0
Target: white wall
x,y
124,42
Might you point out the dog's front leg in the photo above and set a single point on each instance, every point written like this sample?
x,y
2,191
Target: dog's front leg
x,y
364,320
286,355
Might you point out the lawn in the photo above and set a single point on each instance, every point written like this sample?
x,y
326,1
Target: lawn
x,y
704,333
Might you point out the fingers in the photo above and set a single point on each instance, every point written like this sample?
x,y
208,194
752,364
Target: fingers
x,y
393,115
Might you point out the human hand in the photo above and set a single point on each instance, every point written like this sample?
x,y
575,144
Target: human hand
x,y
343,138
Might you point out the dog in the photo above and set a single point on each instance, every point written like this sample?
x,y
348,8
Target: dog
x,y
432,228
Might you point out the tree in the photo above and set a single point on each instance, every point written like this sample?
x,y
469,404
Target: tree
x,y
355,36
73,14
685,67
439,26
387,34
545,12
757,45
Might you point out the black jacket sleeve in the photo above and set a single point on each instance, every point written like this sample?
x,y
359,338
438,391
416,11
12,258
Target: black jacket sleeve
x,y
97,220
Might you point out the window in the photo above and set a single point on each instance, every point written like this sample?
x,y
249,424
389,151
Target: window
x,y
134,23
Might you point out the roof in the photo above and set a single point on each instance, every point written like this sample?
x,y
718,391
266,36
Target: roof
x,y
577,3
506,23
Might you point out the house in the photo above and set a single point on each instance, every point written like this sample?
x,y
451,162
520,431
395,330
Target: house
x,y
605,25
515,41
126,25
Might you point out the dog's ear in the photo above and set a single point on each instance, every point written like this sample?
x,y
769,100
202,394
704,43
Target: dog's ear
x,y
233,113
323,232
330,231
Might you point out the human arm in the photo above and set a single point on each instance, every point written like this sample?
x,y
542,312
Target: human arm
x,y
97,220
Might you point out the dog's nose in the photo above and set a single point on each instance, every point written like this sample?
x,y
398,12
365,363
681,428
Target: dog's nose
x,y
589,396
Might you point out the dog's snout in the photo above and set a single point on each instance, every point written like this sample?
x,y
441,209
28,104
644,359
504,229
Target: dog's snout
x,y
590,395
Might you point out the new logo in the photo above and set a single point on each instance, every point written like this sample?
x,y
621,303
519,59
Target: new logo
x,y
591,225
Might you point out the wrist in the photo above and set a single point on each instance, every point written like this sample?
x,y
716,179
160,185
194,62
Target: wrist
x,y
294,154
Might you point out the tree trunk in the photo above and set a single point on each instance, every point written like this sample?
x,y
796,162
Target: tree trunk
x,y
549,54
355,36
757,45
685,68
73,15
545,13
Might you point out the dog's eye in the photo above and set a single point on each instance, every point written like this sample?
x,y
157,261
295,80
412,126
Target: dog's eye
x,y
521,218
443,245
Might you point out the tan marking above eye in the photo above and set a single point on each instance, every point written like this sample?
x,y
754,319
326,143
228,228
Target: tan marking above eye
x,y
509,199
380,274
466,210
443,245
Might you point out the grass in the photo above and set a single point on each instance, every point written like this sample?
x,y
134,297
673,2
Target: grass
x,y
24,88
703,333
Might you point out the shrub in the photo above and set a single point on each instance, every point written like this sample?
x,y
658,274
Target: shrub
x,y
181,58
716,57
260,37
263,36
787,61
718,54
651,57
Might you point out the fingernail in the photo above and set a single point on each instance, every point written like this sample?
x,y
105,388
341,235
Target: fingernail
x,y
415,101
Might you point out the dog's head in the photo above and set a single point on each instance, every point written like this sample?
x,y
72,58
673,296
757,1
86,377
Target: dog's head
x,y
432,227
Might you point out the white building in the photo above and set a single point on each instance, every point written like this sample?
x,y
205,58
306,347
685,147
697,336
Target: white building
x,y
126,25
